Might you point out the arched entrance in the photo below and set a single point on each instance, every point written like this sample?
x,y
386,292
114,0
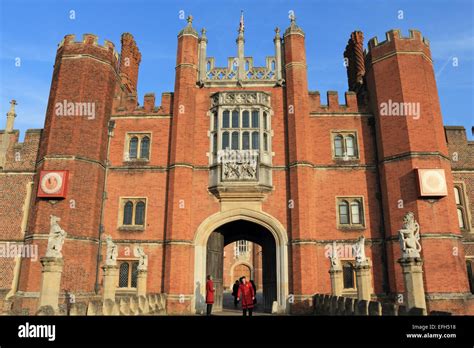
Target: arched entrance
x,y
241,269
241,224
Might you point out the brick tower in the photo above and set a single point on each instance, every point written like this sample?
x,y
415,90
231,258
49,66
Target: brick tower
x,y
84,82
300,177
400,74
179,285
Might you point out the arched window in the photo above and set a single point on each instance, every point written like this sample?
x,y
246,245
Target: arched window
x,y
245,119
225,119
134,274
214,143
235,140
457,196
338,148
145,148
123,275
128,213
215,121
348,275
350,146
255,140
245,141
235,119
255,122
225,140
140,213
343,212
460,218
265,121
265,141
355,213
133,147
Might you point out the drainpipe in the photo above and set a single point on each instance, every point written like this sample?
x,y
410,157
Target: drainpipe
x,y
110,133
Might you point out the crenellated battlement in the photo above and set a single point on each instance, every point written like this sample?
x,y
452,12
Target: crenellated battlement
x,y
351,103
394,41
130,107
395,34
89,41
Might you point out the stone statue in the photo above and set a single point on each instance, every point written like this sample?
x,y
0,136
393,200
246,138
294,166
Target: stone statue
x,y
143,258
56,238
410,237
112,252
358,250
334,258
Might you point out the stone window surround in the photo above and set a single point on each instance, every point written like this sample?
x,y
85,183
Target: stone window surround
x,y
464,204
219,130
140,135
352,262
345,133
132,227
353,291
351,226
129,288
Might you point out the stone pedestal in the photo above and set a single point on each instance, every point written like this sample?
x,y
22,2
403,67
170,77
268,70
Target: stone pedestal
x,y
413,279
110,281
336,281
50,281
364,286
141,282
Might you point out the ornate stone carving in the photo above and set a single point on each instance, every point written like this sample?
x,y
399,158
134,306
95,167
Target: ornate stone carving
x,y
358,250
334,258
240,98
239,171
251,73
143,258
410,237
112,252
56,238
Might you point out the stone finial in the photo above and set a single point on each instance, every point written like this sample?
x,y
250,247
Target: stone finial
x,y
112,252
143,258
203,34
189,30
334,258
55,239
358,250
409,237
277,33
11,116
293,28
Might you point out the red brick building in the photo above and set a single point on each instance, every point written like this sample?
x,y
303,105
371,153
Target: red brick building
x,y
299,174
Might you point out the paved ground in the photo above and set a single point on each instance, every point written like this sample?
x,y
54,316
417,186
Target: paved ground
x,y
230,310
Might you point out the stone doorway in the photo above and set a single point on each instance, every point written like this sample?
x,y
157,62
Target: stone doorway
x,y
268,229
243,230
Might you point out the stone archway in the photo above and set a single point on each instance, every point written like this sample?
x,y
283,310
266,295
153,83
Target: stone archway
x,y
239,269
268,222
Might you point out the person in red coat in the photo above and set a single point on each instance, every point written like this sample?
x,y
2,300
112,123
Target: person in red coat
x,y
210,289
246,295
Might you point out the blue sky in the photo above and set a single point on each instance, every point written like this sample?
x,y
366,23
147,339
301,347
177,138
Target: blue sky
x,y
31,30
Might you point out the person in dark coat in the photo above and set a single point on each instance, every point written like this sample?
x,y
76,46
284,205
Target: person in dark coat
x,y
210,289
254,291
246,295
235,290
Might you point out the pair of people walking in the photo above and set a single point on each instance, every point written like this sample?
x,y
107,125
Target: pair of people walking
x,y
243,291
